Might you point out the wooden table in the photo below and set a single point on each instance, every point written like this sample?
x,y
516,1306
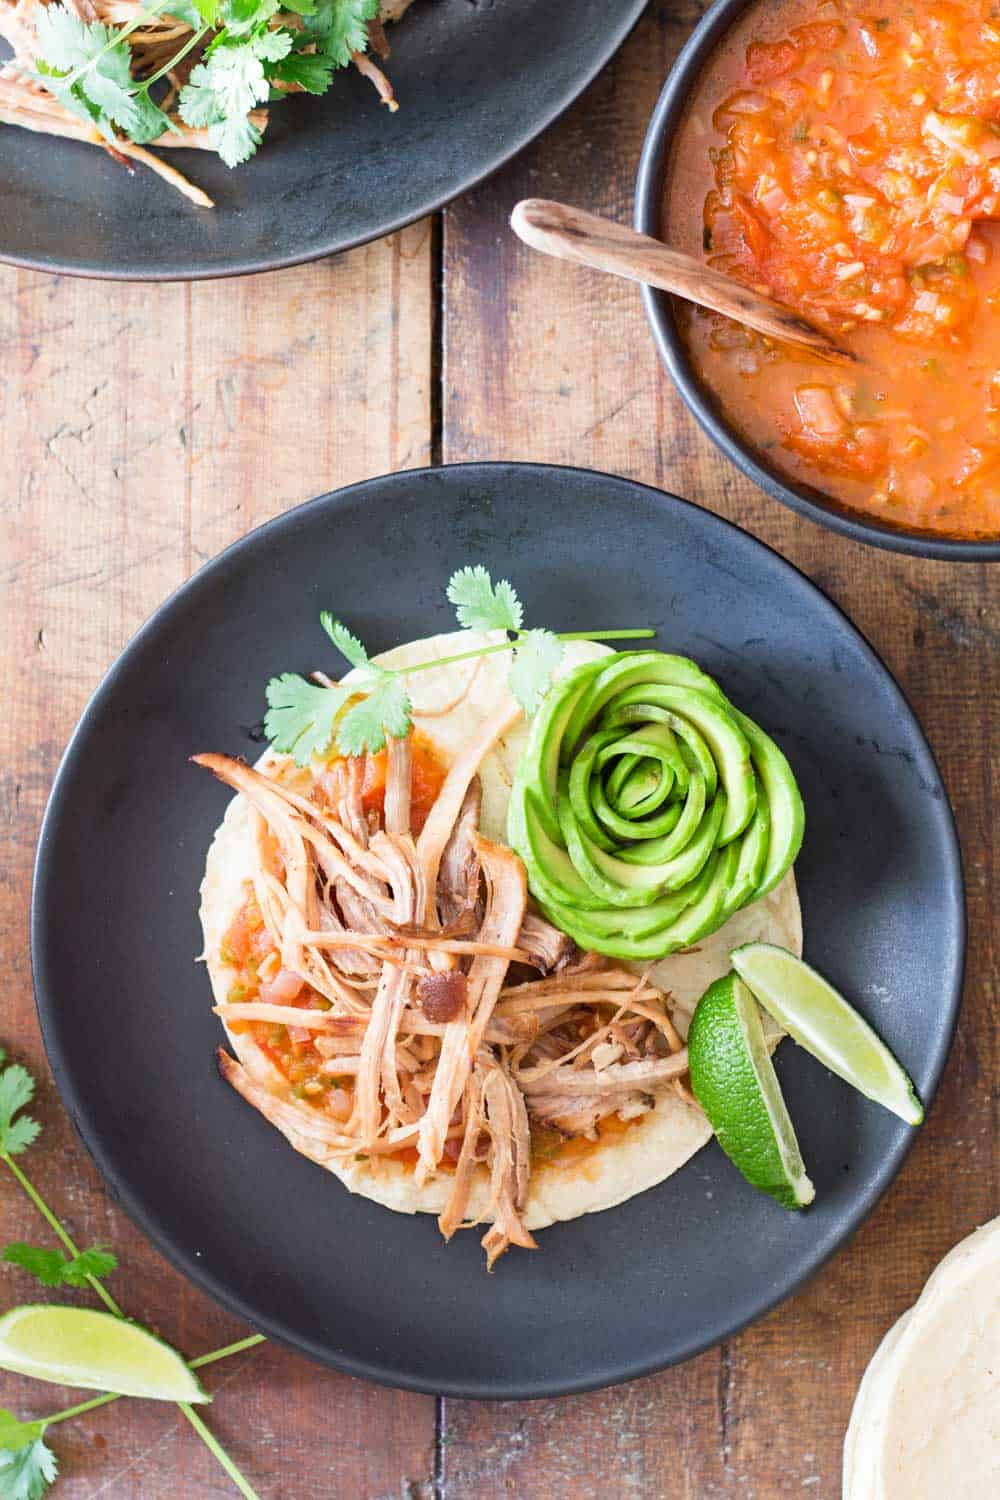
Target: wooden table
x,y
143,429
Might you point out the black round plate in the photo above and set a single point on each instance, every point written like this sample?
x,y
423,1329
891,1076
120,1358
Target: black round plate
x,y
476,81
125,1011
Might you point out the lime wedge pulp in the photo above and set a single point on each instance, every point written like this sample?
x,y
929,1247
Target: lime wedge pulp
x,y
96,1351
822,1021
734,1081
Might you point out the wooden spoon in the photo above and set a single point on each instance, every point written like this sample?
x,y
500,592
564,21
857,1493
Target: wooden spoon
x,y
571,234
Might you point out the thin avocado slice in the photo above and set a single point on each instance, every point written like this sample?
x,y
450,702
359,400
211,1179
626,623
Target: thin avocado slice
x,y
632,707
593,928
729,747
660,849
695,920
640,790
753,855
619,884
706,915
650,828
548,864
625,671
581,784
540,758
788,818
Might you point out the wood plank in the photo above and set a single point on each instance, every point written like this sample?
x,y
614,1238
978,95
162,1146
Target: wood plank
x,y
546,362
143,429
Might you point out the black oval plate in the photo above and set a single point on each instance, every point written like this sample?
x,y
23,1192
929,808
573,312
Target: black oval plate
x,y
125,1011
476,81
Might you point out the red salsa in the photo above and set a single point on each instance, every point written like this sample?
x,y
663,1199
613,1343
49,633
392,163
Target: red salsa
x,y
847,159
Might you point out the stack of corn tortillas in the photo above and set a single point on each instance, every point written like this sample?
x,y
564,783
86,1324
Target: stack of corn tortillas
x,y
926,1420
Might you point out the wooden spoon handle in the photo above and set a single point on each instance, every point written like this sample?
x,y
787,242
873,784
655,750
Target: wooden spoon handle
x,y
571,234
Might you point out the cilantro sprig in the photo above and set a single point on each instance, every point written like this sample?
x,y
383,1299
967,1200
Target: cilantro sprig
x,y
249,52
28,1466
53,1268
305,719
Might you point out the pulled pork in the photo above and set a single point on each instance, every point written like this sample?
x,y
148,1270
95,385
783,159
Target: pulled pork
x,y
422,1007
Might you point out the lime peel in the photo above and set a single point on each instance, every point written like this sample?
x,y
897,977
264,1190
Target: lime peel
x,y
819,1018
92,1350
734,1081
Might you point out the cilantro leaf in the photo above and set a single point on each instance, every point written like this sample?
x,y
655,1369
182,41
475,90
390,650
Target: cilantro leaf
x,y
150,121
480,606
96,1262
310,70
27,1472
194,12
340,27
46,1265
15,1434
347,644
241,16
536,657
386,710
231,82
53,1268
235,140
64,40
17,1088
301,716
94,59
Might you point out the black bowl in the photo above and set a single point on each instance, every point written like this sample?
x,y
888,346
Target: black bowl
x,y
654,164
126,1013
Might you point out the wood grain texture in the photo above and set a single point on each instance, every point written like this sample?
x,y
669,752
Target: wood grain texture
x,y
550,362
142,431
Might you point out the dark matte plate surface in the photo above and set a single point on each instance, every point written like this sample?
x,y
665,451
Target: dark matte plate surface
x,y
693,60
125,1010
476,81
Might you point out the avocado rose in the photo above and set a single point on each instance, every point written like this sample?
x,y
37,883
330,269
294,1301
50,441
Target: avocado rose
x,y
647,809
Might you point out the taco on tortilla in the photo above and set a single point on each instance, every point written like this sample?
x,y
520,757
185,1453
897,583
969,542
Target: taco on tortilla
x,y
403,999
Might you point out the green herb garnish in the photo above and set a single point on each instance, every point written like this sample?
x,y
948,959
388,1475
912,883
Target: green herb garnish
x,y
53,1268
27,1465
249,49
304,719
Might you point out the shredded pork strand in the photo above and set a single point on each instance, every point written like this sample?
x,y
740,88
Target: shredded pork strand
x,y
388,964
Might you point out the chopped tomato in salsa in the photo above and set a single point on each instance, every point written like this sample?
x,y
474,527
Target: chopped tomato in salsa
x,y
428,775
847,155
248,951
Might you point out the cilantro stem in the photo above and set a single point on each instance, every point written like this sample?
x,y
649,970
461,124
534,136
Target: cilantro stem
x,y
78,1410
228,1350
606,635
58,1230
117,37
569,635
192,41
193,1364
211,1442
214,1446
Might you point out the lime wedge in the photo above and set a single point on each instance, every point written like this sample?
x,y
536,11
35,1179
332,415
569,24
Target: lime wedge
x,y
96,1351
735,1083
823,1022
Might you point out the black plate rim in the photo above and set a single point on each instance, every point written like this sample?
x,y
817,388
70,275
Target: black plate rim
x,y
616,38
372,1370
803,499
